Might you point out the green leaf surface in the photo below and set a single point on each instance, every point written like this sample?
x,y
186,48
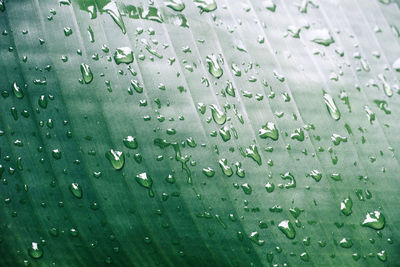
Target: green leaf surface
x,y
199,133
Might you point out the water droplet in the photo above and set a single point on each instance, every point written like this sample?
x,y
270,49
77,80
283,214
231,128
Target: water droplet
x,y
229,89
298,134
87,74
252,152
331,106
346,206
374,220
382,256
337,139
112,9
246,188
315,174
130,142
239,171
42,102
305,257
176,5
287,228
290,177
209,172
269,130
213,66
254,236
386,86
223,163
270,187
271,6
218,115
396,65
370,114
145,180
56,153
346,243
76,190
18,92
225,133
116,158
91,34
35,251
206,5
123,55
236,70
322,37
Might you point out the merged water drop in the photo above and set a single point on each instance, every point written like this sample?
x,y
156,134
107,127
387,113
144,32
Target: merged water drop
x,y
374,220
123,55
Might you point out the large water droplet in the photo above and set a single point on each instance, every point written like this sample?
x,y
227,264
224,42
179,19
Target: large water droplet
x,y
116,158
